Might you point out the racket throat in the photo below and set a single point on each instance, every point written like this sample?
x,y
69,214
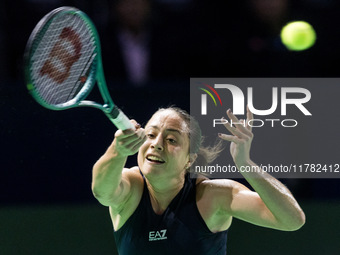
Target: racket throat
x,y
120,120
112,113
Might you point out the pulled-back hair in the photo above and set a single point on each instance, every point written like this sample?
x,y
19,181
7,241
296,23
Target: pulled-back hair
x,y
205,155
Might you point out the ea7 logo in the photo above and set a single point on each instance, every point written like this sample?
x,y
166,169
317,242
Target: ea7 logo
x,y
157,235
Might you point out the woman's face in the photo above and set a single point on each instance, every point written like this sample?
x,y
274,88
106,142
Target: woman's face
x,y
166,150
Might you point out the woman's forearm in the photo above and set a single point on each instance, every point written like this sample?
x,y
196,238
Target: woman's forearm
x,y
275,196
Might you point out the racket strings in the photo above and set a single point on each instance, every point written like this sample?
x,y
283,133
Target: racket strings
x,y
62,60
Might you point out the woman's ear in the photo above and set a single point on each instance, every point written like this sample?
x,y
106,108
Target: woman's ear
x,y
192,158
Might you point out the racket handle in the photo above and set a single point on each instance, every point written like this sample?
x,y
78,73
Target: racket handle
x,y
120,120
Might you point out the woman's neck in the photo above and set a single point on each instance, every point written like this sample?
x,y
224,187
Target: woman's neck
x,y
162,192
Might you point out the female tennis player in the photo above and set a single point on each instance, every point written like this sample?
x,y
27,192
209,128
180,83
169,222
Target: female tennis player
x,y
156,208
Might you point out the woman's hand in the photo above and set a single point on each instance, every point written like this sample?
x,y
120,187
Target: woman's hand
x,y
240,138
127,142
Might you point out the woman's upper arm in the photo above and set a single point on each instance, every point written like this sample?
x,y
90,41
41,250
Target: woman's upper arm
x,y
126,202
247,205
234,199
129,186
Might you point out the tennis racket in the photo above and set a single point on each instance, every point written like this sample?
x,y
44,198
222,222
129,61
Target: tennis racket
x,y
63,63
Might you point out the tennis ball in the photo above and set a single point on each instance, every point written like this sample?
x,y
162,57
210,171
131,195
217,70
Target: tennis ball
x,y
298,35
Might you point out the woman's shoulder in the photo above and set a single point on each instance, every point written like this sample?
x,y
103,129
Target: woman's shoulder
x,y
133,173
207,186
136,180
208,199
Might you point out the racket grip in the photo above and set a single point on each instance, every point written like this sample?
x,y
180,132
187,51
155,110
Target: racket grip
x,y
120,120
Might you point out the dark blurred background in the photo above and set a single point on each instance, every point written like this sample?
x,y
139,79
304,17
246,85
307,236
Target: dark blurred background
x,y
150,50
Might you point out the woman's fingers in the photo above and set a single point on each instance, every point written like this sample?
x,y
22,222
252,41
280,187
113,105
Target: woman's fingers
x,y
129,141
240,125
249,117
233,130
230,138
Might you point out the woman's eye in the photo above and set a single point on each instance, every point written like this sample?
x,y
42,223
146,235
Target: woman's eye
x,y
171,140
150,135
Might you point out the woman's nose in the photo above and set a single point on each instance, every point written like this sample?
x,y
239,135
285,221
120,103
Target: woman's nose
x,y
157,143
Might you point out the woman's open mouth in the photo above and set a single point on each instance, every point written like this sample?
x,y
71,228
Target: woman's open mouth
x,y
154,159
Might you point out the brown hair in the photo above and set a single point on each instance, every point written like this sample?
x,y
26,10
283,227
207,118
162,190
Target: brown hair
x,y
205,155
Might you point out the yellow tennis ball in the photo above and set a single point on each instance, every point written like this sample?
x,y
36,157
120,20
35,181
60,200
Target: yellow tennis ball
x,y
298,35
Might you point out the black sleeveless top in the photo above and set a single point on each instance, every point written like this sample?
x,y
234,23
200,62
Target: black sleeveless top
x,y
180,230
